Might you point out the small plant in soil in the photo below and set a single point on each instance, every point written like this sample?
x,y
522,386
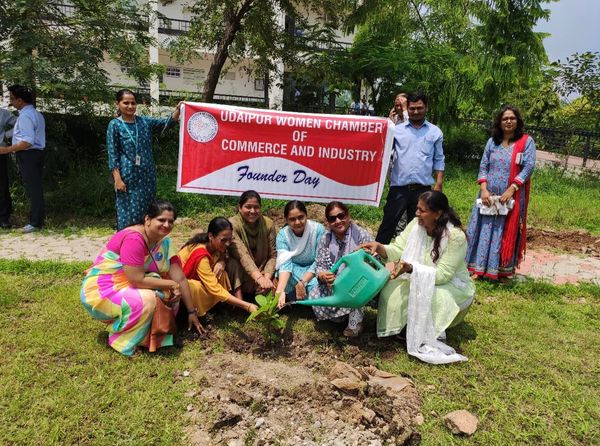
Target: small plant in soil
x,y
268,317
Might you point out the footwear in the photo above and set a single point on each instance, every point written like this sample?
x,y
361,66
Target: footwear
x,y
352,333
28,229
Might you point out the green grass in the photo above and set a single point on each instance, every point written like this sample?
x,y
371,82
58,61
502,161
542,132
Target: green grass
x,y
532,375
83,203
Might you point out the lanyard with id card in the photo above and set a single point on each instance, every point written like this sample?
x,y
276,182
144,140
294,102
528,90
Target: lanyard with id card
x,y
138,158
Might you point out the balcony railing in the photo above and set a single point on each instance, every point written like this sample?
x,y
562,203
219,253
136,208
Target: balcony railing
x,y
173,96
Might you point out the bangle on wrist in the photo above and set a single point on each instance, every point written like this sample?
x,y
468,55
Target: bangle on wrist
x,y
515,186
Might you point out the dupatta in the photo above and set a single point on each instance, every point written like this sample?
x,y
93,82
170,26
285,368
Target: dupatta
x,y
514,224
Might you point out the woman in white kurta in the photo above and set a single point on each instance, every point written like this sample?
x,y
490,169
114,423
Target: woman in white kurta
x,y
443,247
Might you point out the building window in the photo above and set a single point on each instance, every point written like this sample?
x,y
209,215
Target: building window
x,y
259,84
173,72
125,69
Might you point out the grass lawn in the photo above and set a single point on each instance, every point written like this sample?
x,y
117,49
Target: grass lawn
x,y
532,375
83,203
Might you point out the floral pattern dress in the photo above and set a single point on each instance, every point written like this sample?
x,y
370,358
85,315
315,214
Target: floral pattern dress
x,y
129,147
485,231
326,259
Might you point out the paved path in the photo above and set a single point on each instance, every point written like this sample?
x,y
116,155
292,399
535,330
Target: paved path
x,y
573,162
557,268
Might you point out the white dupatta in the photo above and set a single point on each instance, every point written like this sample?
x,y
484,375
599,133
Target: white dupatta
x,y
421,338
297,244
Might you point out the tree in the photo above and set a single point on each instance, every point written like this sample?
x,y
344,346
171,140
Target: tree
x,y
580,75
57,50
467,54
250,30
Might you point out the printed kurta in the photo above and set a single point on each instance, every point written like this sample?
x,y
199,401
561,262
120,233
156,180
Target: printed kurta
x,y
127,143
330,250
485,232
453,293
207,289
107,295
302,262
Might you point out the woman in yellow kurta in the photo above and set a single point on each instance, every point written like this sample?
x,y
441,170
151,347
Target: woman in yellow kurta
x,y
203,260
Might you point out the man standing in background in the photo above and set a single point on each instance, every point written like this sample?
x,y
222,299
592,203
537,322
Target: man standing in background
x,y
419,156
28,143
7,121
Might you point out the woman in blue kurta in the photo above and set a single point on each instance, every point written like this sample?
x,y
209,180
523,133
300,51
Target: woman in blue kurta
x,y
296,245
497,242
130,158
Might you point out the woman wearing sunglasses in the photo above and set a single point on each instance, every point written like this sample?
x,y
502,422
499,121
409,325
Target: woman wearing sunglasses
x,y
344,236
203,262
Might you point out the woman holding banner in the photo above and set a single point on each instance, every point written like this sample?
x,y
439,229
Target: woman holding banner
x,y
251,264
130,158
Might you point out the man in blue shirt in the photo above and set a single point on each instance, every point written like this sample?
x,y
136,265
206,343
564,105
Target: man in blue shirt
x,y
7,120
28,143
419,157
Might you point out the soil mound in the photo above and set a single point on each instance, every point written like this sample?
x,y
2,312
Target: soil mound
x,y
580,242
243,399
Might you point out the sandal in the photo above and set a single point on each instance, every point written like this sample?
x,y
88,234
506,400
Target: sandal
x,y
352,333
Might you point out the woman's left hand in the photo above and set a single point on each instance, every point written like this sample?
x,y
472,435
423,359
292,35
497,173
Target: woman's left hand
x,y
401,268
193,320
507,195
300,291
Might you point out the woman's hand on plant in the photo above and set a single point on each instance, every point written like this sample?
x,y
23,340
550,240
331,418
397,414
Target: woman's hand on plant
x,y
219,268
300,291
486,197
281,301
195,322
264,283
507,195
252,308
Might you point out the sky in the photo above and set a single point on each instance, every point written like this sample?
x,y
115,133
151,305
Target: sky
x,y
574,25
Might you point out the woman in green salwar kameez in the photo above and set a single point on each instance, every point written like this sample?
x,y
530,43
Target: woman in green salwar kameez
x,y
444,246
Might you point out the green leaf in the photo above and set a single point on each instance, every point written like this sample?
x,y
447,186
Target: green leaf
x,y
261,300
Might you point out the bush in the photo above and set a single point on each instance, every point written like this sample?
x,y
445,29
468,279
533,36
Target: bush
x,y
465,143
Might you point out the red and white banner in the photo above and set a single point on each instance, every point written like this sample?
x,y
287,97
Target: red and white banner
x,y
226,150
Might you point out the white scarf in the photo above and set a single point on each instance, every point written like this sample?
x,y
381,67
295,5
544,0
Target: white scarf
x,y
421,338
307,239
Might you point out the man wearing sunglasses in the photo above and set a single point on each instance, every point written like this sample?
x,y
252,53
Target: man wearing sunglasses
x,y
418,158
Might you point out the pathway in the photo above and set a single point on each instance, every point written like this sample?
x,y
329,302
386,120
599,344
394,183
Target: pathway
x,y
538,264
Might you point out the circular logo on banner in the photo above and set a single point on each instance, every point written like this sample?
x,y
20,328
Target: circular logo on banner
x,y
202,127
158,256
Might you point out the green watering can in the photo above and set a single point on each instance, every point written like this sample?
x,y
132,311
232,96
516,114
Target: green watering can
x,y
359,282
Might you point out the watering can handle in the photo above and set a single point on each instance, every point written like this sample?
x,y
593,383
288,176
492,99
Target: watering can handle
x,y
337,265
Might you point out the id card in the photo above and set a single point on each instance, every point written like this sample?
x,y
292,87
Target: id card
x,y
138,160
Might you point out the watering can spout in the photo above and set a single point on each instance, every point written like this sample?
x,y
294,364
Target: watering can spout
x,y
360,278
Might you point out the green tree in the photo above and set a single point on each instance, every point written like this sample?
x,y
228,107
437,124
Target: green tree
x,y
239,31
57,50
467,54
580,75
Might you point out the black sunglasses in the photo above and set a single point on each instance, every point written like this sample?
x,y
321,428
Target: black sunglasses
x,y
332,218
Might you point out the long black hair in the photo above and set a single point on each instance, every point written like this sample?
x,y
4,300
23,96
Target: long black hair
x,y
437,201
498,134
215,226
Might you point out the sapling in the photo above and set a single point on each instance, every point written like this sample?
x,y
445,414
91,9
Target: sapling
x,y
268,317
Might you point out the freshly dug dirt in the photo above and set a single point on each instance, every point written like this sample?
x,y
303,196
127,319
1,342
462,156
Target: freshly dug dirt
x,y
580,242
244,399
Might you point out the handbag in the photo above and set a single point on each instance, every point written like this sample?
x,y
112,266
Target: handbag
x,y
163,319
